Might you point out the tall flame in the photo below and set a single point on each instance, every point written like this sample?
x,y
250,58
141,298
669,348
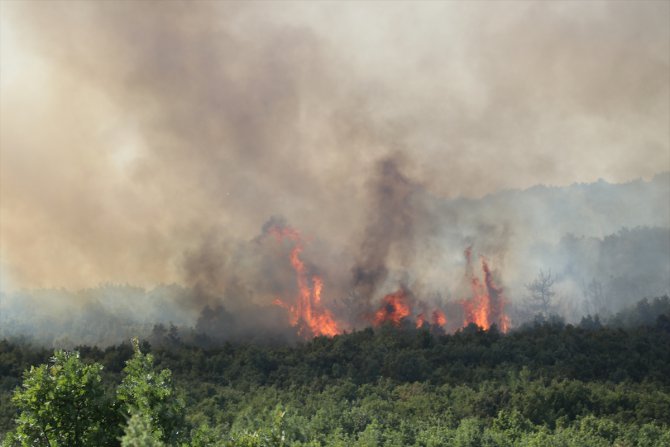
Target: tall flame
x,y
477,308
486,305
308,313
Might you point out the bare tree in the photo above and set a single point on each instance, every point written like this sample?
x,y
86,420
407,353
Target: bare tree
x,y
595,297
541,292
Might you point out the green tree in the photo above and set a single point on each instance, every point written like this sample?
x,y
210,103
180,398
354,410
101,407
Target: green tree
x,y
61,404
140,433
151,393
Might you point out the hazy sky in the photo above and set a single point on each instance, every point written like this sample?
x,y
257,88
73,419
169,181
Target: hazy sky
x,y
133,131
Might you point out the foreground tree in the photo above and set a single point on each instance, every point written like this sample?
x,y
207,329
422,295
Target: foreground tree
x,y
140,433
151,396
61,404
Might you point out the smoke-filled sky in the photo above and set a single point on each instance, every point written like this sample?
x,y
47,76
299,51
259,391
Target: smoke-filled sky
x,y
133,134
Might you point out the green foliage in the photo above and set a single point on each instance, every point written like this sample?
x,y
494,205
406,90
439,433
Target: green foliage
x,y
205,436
151,395
62,404
548,384
274,435
140,432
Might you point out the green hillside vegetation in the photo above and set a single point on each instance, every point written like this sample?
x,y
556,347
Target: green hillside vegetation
x,y
545,384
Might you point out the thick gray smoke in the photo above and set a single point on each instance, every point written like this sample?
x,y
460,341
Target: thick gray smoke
x,y
148,145
622,256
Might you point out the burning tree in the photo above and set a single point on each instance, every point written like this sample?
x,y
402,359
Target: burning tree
x,y
486,304
483,303
308,313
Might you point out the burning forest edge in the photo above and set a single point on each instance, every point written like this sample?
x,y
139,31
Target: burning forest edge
x,y
419,262
309,314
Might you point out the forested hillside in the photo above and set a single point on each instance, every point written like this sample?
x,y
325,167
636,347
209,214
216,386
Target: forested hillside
x,y
544,384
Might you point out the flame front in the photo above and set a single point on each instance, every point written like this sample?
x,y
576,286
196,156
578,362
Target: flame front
x,y
308,313
439,318
486,305
477,308
395,306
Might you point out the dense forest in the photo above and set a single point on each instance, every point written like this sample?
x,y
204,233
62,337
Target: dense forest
x,y
543,384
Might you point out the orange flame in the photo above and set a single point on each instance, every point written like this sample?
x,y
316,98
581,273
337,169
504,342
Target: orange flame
x,y
308,313
439,318
486,306
478,307
280,303
496,298
395,306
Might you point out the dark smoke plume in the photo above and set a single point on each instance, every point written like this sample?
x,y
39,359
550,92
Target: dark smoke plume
x,y
390,229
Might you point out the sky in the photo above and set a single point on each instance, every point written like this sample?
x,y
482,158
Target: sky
x,y
132,133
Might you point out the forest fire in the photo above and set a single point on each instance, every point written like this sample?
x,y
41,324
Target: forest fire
x,y
486,305
308,314
395,306
438,318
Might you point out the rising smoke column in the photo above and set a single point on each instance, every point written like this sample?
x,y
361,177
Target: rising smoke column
x,y
391,225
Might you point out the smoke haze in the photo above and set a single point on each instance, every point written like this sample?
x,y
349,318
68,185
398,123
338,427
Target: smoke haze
x,y
148,144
